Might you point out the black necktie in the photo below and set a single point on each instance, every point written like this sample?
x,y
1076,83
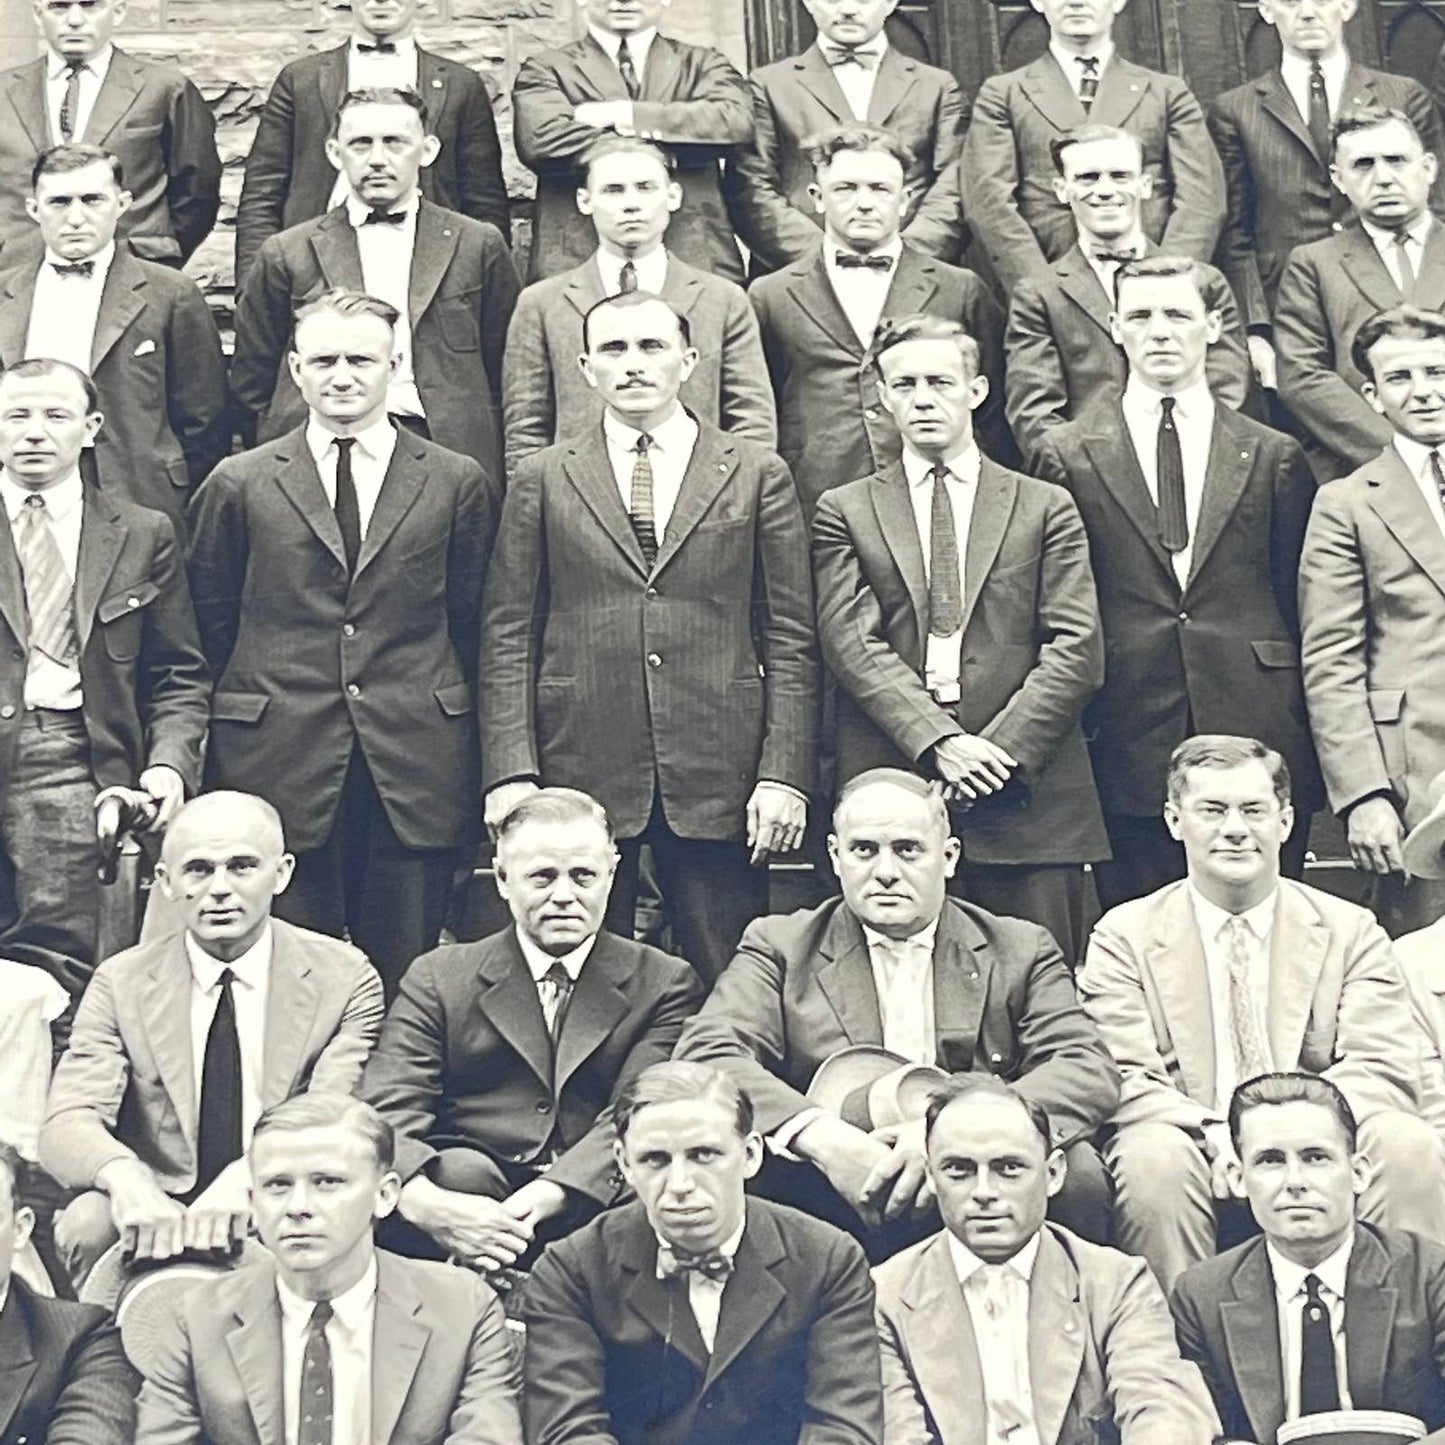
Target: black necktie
x,y
945,587
1173,519
218,1134
628,70
383,218
70,101
1437,471
314,1420
851,260
1319,116
627,278
381,47
640,504
1089,81
1319,1386
84,269
348,509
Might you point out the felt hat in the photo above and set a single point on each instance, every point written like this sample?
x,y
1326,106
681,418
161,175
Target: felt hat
x,y
1351,1427
873,1088
1425,842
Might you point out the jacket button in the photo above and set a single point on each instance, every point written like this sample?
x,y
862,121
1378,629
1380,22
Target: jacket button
x,y
132,601
974,974
543,1106
995,1058
353,689
654,659
1184,617
519,1157
652,592
348,629
8,711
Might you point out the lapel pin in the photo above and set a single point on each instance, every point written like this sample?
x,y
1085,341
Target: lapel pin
x,y
1244,456
436,82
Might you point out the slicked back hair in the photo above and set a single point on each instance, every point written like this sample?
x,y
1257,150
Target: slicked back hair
x,y
1295,1087
322,1110
340,302
62,159
681,1082
1400,323
1162,264
609,144
380,95
1356,118
627,299
1082,135
896,330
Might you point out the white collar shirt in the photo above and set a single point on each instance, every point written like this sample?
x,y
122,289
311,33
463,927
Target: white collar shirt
x,y
1070,62
862,292
704,1295
651,270
670,453
370,458
1389,244
1289,1294
854,80
350,1333
366,70
639,45
64,310
1416,458
1107,270
57,77
539,964
386,259
1296,73
903,977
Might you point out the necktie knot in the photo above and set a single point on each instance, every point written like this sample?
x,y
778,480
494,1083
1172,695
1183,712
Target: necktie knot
x,y
83,269
344,445
675,1263
851,260
36,503
557,975
1089,64
383,218
1114,258
1313,1284
627,278
839,55
322,1312
1166,409
226,978
643,444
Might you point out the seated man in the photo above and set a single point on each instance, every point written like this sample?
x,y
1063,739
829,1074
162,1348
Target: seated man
x,y
1420,955
1322,1313
500,1060
180,1043
1228,974
695,1313
1085,1343
896,962
333,1342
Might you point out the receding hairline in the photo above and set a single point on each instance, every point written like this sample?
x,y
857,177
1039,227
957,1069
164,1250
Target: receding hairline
x,y
197,813
930,800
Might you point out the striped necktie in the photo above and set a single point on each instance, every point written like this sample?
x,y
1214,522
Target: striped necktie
x,y
49,590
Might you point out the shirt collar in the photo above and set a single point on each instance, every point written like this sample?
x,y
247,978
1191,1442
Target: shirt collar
x,y
61,498
1193,403
832,245
1211,917
653,266
1289,1278
539,962
1069,59
963,465
357,210
967,1264
638,43
348,1308
877,47
374,441
97,65
102,259
1418,233
1296,70
677,433
250,969
1416,456
924,938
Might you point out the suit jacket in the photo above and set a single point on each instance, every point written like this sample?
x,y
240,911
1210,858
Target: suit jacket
x,y
268,568
460,298
1032,652
125,1087
1008,171
156,362
831,426
1103,1360
693,102
1220,654
800,988
613,1353
1329,289
289,179
1064,363
1280,192
441,1366
767,180
1372,614
693,679
465,1058
154,120
1227,1320
1421,958
1337,1005
545,396
64,1379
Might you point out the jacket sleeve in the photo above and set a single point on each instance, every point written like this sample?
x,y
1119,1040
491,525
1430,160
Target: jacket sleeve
x,y
193,166
197,402
1227,365
544,129
268,175
1036,388
478,184
715,114
168,1412
96,1404
990,183
1198,212
487,1408
219,556
263,329
1238,256
529,385
339,1065
747,407
937,222
842,1386
496,303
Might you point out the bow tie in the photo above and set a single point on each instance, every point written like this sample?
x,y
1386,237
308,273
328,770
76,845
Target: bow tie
x,y
1114,258
74,268
382,47
851,260
837,55
383,218
674,1263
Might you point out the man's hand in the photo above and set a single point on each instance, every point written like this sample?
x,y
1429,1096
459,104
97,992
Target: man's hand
x,y
1223,1161
776,819
1376,834
971,767
535,1201
1262,359
222,1213
150,1223
485,1233
901,1183
168,789
501,800
852,1162
606,115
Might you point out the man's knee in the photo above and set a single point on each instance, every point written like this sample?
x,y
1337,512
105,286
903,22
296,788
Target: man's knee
x,y
1395,1141
469,1171
1155,1162
84,1230
1085,1203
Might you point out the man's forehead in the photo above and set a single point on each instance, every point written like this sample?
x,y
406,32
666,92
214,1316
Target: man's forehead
x,y
625,168
84,180
556,842
886,811
53,392
1390,351
923,356
869,163
1391,137
330,331
652,321
1171,291
1119,154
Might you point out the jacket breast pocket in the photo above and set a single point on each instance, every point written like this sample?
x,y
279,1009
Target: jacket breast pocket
x,y
239,707
121,618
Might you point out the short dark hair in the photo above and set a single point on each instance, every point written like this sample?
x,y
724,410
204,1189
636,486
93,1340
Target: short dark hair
x,y
679,1081
60,160
1397,323
380,95
895,330
898,778
1367,117
340,302
629,299
1222,750
1294,1087
1162,264
1083,135
322,1110
823,145
554,805
12,1162
34,366
610,144
964,1086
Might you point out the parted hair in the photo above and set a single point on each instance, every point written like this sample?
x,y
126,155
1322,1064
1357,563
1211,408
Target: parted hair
x,y
1295,1087
1397,323
554,805
633,298
620,145
895,330
823,145
34,366
340,302
61,159
965,1086
321,1110
1163,263
680,1082
380,95
1082,135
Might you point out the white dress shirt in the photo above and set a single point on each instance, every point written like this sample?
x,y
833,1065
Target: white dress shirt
x,y
350,1333
370,458
1213,921
386,254
1388,244
368,71
1069,62
65,309
540,964
249,992
1289,1293
903,976
1194,421
1296,73
57,76
671,451
857,81
1136,245
651,270
51,684
997,1296
1417,462
638,46
861,292
704,1295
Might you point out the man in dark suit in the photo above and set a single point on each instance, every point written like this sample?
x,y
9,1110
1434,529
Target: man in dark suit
x,y
148,116
1082,79
1195,516
622,76
648,637
964,633
1392,251
142,330
331,1339
696,1314
288,176
1320,1311
819,316
851,75
896,962
628,189
1063,360
338,575
449,278
499,1064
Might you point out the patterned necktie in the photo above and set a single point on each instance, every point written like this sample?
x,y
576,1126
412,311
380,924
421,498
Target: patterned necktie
x,y
675,1263
837,55
1437,471
49,591
639,508
851,260
628,70
1089,81
1319,1386
1406,265
627,278
1169,459
555,992
81,269
1251,1057
945,584
70,101
314,1425
348,509
1319,113
218,1132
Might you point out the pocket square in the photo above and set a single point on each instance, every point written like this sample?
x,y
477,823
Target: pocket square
x,y
145,348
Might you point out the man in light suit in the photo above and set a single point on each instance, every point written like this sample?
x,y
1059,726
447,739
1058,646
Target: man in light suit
x,y
499,1063
288,177
1002,1318
964,634
1245,1316
332,1340
1392,251
450,279
1231,973
142,330
851,75
697,1314
1082,79
627,187
180,1043
648,637
149,116
1063,360
622,76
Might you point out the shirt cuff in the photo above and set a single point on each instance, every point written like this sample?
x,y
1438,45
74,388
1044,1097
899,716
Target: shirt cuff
x,y
798,793
781,1140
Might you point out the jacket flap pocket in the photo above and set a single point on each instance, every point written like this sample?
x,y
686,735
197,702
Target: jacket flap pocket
x,y
131,600
1276,653
1385,703
239,706
455,699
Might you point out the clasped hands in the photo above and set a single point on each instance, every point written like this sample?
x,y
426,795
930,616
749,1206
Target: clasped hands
x,y
971,767
488,1234
881,1174
153,1225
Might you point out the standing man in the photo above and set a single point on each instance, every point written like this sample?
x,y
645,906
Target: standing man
x,y
648,637
338,574
1081,79
1195,516
964,633
851,75
150,117
289,178
623,77
449,278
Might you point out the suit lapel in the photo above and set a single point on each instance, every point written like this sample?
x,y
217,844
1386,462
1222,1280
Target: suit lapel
x,y
168,1027
1370,1304
660,1303
13,606
942,1347
292,995
254,1344
333,243
26,91
893,507
102,535
401,1339
1053,96
891,86
509,999
1175,957
1056,1335
713,462
122,83
331,79
681,287
598,1004
436,244
1122,87
17,1358
402,485
1080,283
753,1292
1396,500
297,477
659,75
431,79
1276,101
15,313
846,979
590,472
992,507
1430,283
1297,947
1117,467
597,66
822,84
1251,1339
121,300
1227,472
962,968
584,289
913,285
1361,262
813,294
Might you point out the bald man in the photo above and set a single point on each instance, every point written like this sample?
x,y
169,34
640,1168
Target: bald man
x,y
179,1044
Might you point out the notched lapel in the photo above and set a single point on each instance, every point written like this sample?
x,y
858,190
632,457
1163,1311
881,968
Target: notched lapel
x,y
992,508
846,979
12,587
291,1002
15,314
1174,956
1048,88
891,86
168,1027
1430,283
942,1347
117,94
401,1339
1396,500
331,79
590,472
596,66
1369,1321
1057,1323
893,508
298,479
1081,285
436,244
914,283
752,1295
1122,89
333,243
713,462
121,301
820,82
255,1348
813,295
1227,473
1297,946
27,96
508,998
584,286
1276,100
102,535
1117,467
1251,1338
962,969
1361,262
400,489
17,1361
659,75
597,1006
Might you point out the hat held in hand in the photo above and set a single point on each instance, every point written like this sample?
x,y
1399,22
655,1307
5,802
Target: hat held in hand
x,y
1351,1427
873,1088
1425,842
